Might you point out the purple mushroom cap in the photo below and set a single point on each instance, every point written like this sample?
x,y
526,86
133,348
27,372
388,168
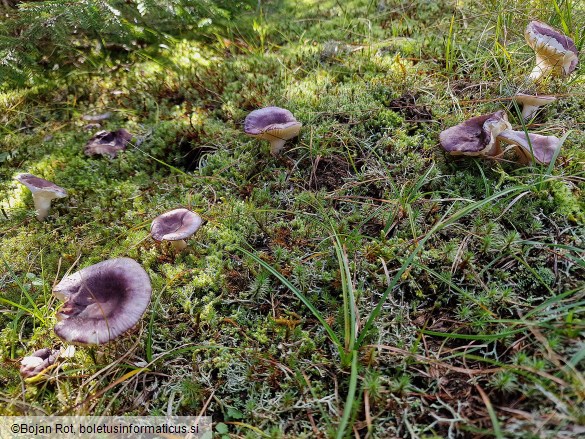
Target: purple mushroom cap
x,y
529,146
475,136
175,225
274,124
267,119
34,364
40,185
107,143
102,301
548,32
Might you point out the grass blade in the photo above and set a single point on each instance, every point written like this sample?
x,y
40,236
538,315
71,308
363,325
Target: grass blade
x,y
350,399
349,311
300,296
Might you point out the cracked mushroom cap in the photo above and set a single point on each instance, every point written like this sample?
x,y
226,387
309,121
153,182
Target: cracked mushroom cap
x,y
475,136
175,225
41,187
34,364
102,301
555,52
272,123
107,143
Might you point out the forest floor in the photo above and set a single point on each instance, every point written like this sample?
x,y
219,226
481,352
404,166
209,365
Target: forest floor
x,y
363,283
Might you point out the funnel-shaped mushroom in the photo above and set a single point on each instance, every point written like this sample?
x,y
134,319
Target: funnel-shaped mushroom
x,y
102,301
107,143
476,136
34,364
274,124
555,52
175,226
43,192
531,104
543,147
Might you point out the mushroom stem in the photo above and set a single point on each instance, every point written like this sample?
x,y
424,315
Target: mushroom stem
x,y
276,146
179,245
542,68
42,206
528,111
531,146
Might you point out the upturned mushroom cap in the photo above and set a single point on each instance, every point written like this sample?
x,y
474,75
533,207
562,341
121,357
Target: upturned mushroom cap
x,y
175,225
555,52
530,103
43,191
543,147
34,364
107,143
102,301
476,136
274,124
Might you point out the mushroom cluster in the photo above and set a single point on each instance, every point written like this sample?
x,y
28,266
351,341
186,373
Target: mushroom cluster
x,y
482,136
103,301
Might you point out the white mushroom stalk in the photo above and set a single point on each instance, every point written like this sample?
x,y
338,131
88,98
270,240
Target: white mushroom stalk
x,y
276,146
42,206
179,245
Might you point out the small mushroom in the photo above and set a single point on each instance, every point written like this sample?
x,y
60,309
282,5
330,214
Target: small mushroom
x,y
102,301
175,226
476,136
274,124
107,143
34,364
555,52
528,145
43,192
531,104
